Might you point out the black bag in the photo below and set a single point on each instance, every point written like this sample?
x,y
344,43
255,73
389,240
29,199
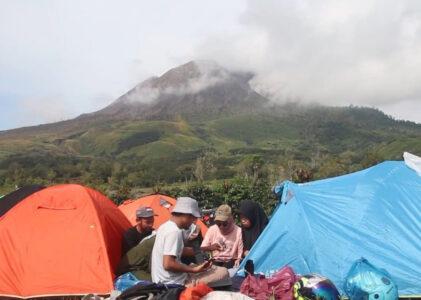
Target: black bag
x,y
148,290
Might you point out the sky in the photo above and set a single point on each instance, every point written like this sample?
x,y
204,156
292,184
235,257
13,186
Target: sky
x,y
59,59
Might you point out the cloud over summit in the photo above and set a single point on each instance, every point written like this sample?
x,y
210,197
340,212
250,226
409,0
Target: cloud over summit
x,y
190,78
331,52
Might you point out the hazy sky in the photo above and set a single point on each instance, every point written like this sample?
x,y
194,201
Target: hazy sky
x,y
59,59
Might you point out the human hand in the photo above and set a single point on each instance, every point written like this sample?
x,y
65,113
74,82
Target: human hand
x,y
237,262
202,267
217,246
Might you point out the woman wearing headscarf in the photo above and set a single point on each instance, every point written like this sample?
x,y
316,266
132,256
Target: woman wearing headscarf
x,y
253,220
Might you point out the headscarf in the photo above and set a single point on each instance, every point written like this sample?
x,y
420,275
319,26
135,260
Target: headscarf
x,y
258,219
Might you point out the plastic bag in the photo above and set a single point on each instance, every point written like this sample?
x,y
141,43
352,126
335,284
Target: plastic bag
x,y
125,281
282,283
195,292
279,287
256,288
366,282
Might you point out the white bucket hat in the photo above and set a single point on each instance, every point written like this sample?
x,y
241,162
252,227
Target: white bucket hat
x,y
187,205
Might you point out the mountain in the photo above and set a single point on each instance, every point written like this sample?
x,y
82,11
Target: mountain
x,y
194,88
201,118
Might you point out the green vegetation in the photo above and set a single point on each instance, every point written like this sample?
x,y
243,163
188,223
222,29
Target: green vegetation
x,y
216,159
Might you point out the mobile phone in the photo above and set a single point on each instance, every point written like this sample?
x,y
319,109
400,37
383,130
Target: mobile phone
x,y
208,256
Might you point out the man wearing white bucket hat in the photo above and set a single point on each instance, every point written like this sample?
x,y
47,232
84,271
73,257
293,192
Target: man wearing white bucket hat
x,y
169,246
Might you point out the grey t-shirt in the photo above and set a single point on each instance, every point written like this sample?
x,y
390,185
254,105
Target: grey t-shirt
x,y
169,241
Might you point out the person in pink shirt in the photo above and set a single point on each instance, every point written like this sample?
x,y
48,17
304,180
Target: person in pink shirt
x,y
224,239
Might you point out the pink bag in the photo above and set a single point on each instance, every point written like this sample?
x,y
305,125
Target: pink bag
x,y
279,287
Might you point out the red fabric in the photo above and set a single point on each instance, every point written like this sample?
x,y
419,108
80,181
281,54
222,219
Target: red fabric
x,y
62,240
280,285
195,292
129,208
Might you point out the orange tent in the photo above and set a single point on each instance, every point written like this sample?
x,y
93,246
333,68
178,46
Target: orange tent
x,y
60,240
162,206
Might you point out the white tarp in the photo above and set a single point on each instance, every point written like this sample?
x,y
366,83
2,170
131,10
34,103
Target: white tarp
x,y
413,161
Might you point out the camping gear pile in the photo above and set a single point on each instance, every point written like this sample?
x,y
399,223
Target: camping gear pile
x,y
66,239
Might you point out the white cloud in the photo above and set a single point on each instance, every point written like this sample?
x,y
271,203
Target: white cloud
x,y
206,75
331,52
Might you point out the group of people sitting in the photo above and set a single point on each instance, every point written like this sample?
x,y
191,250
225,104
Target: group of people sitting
x,y
174,253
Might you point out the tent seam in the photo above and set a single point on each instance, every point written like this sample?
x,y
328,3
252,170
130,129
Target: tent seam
x,y
101,236
309,229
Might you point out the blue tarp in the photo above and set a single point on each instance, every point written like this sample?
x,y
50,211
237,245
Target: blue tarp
x,y
324,226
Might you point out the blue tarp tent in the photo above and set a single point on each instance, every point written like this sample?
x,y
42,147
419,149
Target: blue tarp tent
x,y
324,226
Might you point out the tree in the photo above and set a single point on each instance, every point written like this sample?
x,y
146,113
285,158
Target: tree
x,y
204,195
371,158
123,193
203,167
251,167
302,175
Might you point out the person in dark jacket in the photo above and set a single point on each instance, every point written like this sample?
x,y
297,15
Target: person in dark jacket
x,y
143,228
253,220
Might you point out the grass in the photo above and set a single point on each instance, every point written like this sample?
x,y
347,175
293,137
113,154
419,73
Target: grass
x,y
168,149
